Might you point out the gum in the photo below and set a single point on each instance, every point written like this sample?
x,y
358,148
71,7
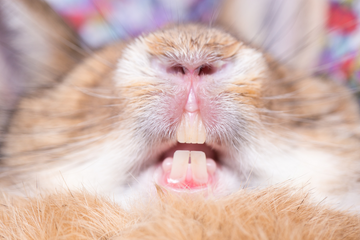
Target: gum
x,y
163,176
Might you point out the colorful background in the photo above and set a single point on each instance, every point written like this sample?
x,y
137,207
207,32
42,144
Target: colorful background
x,y
102,21
340,55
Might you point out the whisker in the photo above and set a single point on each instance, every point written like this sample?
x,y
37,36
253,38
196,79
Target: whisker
x,y
310,99
109,26
91,92
276,35
305,43
268,22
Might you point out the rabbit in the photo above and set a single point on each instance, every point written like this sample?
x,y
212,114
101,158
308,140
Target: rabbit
x,y
188,107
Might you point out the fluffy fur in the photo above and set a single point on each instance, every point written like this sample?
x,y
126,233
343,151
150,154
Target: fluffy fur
x,y
272,213
105,119
109,118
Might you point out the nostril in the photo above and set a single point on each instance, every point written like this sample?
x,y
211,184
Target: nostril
x,y
206,70
176,69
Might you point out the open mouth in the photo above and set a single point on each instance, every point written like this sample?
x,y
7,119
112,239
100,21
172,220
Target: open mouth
x,y
191,164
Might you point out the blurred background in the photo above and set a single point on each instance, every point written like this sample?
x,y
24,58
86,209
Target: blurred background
x,y
102,21
315,36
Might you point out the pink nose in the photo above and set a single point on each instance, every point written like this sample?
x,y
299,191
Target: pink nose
x,y
191,104
192,76
192,101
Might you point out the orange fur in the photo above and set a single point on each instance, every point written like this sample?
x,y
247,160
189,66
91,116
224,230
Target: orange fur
x,y
214,44
272,213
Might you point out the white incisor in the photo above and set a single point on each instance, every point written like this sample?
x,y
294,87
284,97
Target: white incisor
x,y
191,129
180,166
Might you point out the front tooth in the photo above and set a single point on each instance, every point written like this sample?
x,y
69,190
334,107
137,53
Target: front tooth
x,y
181,132
179,166
201,134
191,129
198,166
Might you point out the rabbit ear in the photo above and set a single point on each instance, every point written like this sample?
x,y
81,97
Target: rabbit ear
x,y
44,46
36,48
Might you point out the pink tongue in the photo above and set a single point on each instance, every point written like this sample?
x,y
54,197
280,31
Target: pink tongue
x,y
189,182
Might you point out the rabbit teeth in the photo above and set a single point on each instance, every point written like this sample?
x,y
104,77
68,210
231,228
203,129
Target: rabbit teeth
x,y
191,129
190,166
